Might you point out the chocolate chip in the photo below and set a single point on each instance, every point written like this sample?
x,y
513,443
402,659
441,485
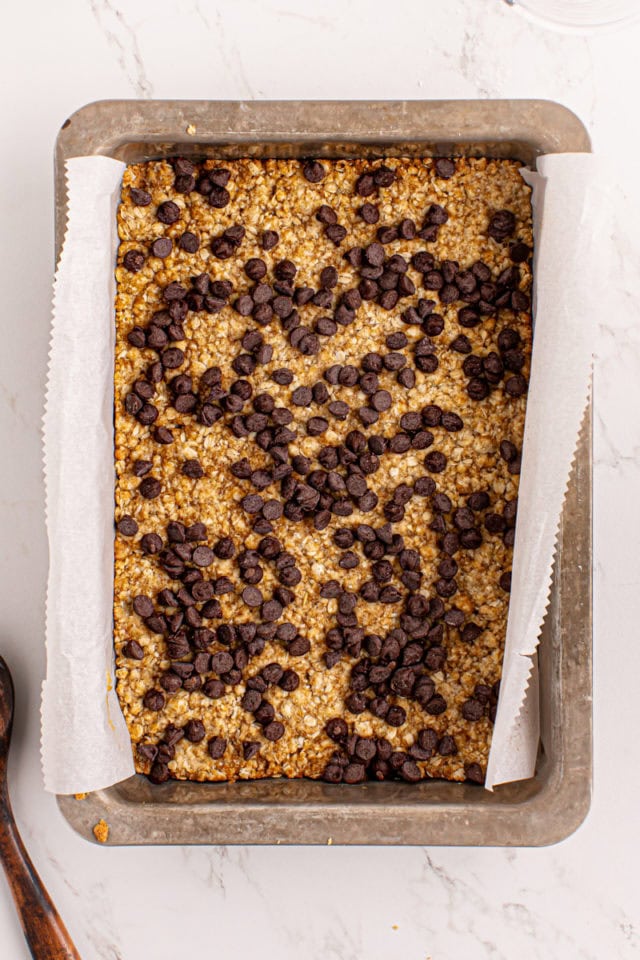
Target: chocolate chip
x,y
478,501
221,662
369,213
271,611
326,214
515,386
202,556
470,632
433,325
396,716
133,261
189,242
356,703
133,650
317,426
217,196
269,239
442,503
387,234
192,469
140,197
147,414
352,773
222,248
162,435
137,337
388,299
184,183
272,510
282,307
461,344
127,526
151,544
447,746
435,461
508,450
381,400
274,730
383,176
478,389
168,212
252,596
473,773
445,168
216,745
407,229
250,748
501,225
150,488
214,689
171,358
336,233
472,710
452,422
282,376
313,171
302,396
436,705
255,268
519,252
513,360
153,700
396,341
365,185
194,731
161,247
468,317
374,254
346,376
328,279
289,681
251,700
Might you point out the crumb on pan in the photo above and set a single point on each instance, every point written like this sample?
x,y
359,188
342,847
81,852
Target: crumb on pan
x,y
101,831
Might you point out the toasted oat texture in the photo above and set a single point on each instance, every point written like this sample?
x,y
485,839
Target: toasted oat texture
x,y
429,639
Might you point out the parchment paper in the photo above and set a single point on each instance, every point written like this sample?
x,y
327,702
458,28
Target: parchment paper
x,y
568,218
85,743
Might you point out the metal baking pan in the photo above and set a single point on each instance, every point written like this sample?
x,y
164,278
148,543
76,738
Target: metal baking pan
x,y
539,811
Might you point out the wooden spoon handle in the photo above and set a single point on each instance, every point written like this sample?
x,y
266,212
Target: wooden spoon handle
x,y
44,931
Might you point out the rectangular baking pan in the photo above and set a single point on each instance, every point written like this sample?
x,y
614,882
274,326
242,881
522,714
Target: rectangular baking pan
x,y
534,812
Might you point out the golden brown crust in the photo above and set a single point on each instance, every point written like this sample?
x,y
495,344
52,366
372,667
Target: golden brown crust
x,y
274,195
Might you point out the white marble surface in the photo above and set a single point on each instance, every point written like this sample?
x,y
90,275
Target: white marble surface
x,y
575,900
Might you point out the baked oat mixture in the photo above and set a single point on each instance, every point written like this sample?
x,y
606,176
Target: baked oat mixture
x,y
321,375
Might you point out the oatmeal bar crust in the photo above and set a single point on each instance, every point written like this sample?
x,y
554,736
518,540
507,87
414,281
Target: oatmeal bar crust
x,y
275,195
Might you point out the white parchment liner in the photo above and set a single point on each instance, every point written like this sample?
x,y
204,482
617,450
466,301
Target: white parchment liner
x,y
85,743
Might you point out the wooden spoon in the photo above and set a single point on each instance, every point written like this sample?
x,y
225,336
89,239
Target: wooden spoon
x,y
44,931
